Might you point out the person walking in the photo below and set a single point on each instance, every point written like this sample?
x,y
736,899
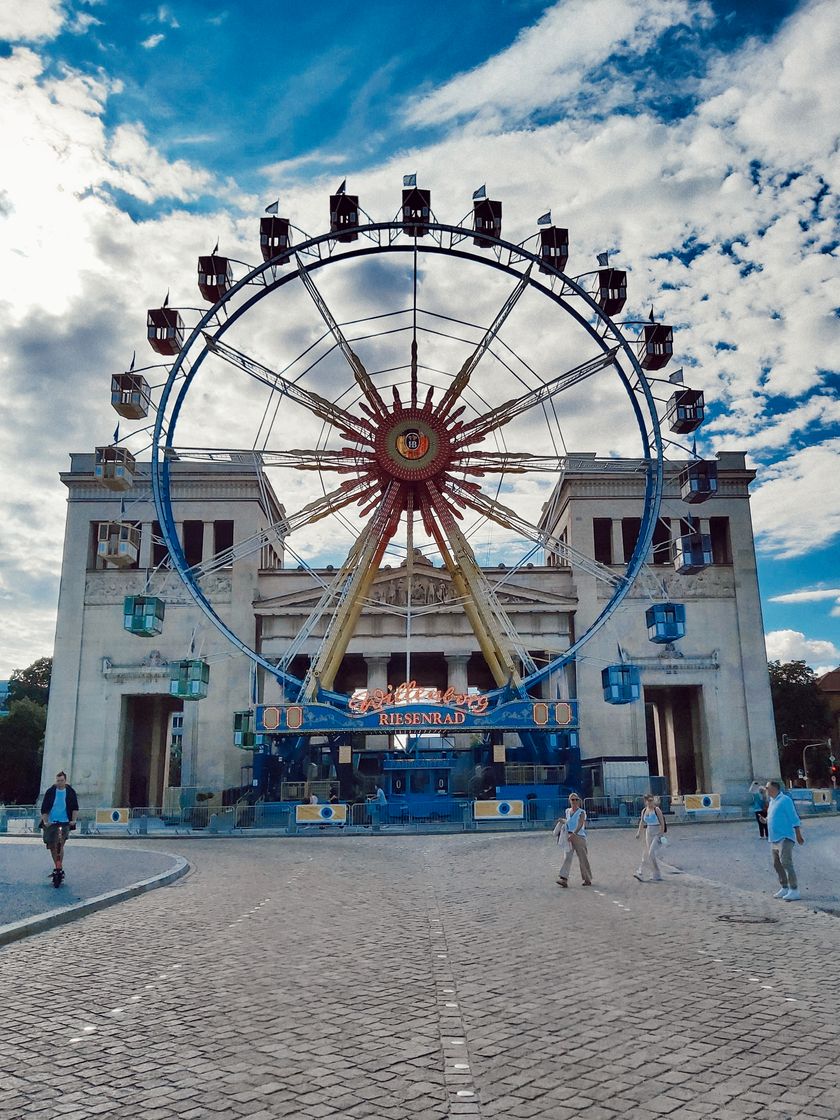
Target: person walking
x,y
759,805
59,810
570,831
784,828
653,823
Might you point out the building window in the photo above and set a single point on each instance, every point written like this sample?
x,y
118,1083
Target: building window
x,y
602,536
662,541
159,550
193,542
721,547
222,536
630,529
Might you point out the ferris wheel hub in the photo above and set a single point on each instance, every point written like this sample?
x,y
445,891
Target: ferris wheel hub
x,y
413,446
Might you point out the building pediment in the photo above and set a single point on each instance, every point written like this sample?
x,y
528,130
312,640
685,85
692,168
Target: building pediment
x,y
430,588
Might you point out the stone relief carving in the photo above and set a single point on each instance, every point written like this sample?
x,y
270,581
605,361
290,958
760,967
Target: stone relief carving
x,y
103,589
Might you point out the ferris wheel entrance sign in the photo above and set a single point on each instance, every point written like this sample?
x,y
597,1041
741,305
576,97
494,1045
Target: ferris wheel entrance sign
x,y
325,719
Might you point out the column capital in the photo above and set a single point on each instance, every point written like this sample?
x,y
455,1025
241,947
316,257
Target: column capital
x,y
377,660
457,658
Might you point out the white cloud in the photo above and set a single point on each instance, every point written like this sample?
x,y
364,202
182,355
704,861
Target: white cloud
x,y
809,595
152,41
796,508
792,645
548,62
32,21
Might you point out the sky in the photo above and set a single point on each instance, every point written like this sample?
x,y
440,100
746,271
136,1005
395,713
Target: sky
x,y
697,141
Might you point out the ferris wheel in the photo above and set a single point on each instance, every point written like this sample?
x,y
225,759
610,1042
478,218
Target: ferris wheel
x,y
410,390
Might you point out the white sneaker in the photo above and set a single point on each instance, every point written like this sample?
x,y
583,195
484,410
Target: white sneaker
x,y
781,892
792,895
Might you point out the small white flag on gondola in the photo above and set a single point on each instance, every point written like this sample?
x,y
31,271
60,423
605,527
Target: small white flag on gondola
x,y
273,208
544,219
343,187
676,378
603,259
480,193
410,180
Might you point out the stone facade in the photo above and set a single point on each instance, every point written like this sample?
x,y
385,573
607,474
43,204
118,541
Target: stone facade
x,y
706,722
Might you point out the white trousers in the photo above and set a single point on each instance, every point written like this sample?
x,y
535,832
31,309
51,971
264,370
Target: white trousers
x,y
650,863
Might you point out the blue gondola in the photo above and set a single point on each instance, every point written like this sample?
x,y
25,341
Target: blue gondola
x,y
665,622
622,684
244,735
698,482
686,410
189,679
692,552
143,615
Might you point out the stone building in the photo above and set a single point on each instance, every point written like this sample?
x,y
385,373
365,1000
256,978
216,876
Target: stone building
x,y
704,722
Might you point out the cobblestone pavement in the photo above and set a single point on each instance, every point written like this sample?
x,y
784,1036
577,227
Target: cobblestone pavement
x,y
734,854
399,977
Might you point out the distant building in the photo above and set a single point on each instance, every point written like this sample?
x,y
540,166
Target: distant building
x,y
4,697
704,721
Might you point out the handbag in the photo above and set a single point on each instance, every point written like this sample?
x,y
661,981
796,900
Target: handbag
x,y
663,840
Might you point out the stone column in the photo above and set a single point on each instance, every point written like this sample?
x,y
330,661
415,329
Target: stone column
x,y
145,558
377,677
207,542
617,542
456,677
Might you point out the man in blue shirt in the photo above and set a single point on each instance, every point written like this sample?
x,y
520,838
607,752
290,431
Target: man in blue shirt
x,y
783,827
58,816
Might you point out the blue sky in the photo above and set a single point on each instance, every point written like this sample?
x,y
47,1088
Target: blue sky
x,y
699,139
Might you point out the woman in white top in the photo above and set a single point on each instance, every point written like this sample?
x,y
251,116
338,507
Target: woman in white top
x,y
653,824
570,831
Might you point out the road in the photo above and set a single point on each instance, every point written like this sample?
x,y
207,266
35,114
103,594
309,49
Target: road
x,y
430,977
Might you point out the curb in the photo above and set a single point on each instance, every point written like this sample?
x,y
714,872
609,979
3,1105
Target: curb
x,y
17,930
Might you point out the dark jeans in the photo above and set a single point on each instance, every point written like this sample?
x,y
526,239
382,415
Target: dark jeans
x,y
762,825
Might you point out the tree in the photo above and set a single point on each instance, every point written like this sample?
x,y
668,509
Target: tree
x,y
800,710
21,747
32,683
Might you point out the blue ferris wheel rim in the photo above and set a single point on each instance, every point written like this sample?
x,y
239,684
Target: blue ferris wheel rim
x,y
654,471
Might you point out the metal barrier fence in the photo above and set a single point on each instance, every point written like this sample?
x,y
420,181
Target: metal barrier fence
x,y
427,815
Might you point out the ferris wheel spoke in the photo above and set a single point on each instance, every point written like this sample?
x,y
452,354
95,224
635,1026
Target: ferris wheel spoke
x,y
462,378
347,493
352,427
363,378
488,618
523,462
357,574
502,515
502,414
346,461
509,462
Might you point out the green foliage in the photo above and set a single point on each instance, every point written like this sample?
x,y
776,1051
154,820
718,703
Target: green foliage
x,y
32,683
801,711
21,747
